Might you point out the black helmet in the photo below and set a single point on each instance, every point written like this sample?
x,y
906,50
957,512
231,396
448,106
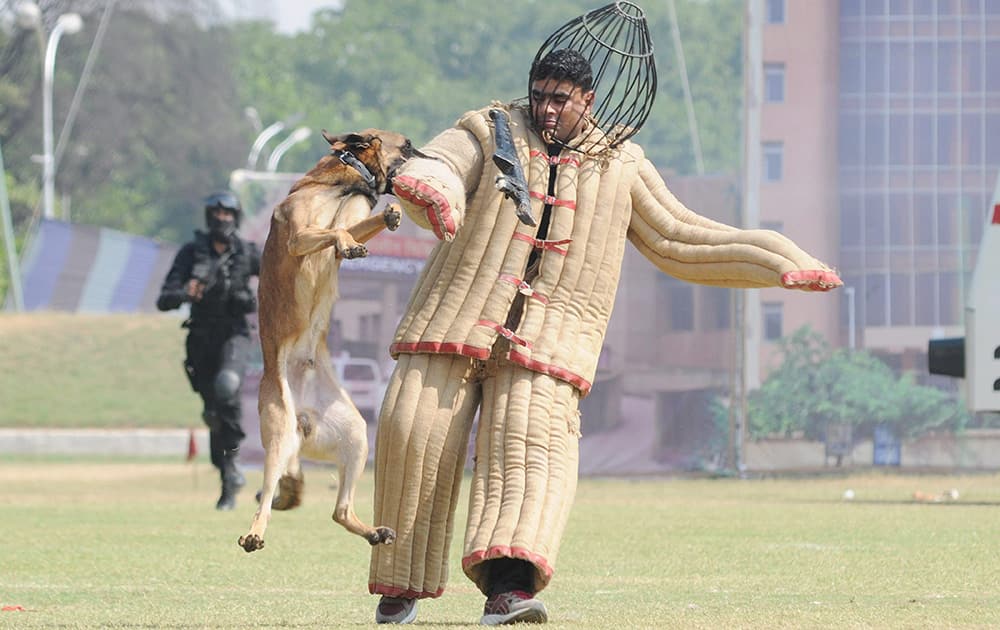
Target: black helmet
x,y
227,200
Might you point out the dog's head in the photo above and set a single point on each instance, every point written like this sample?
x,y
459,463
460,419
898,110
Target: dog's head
x,y
381,152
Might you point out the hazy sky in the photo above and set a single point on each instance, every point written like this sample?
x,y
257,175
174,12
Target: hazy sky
x,y
294,15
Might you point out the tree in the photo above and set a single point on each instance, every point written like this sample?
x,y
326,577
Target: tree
x,y
814,387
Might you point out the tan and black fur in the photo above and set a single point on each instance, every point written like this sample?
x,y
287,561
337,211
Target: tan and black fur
x,y
304,410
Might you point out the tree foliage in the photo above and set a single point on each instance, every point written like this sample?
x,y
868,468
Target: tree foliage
x,y
814,387
161,121
416,66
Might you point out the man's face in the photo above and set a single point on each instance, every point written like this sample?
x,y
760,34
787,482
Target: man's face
x,y
560,108
223,214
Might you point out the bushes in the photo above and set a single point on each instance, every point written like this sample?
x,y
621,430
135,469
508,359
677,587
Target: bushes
x,y
815,386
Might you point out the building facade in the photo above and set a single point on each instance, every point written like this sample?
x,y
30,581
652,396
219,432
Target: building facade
x,y
895,104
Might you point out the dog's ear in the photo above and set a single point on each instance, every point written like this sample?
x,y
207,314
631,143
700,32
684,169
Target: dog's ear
x,y
348,141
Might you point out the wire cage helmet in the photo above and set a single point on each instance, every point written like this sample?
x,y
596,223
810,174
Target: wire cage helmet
x,y
615,40
226,200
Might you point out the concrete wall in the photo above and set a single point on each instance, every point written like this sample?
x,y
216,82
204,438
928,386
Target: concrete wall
x,y
975,449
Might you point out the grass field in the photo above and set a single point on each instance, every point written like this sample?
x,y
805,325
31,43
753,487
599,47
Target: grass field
x,y
69,370
130,544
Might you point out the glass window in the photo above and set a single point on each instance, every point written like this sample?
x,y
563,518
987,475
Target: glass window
x,y
923,218
875,220
924,292
875,7
773,161
900,220
947,223
923,139
923,7
849,146
923,67
875,149
901,299
972,139
900,56
947,140
775,11
850,8
718,307
972,66
850,220
993,132
947,67
972,7
850,68
950,300
875,67
899,139
992,76
774,82
874,298
679,297
772,320
899,7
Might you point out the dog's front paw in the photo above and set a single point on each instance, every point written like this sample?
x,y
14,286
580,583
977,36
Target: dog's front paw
x,y
251,542
393,216
354,251
383,535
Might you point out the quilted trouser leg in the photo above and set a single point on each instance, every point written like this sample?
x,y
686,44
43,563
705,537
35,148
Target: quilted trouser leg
x,y
525,473
420,449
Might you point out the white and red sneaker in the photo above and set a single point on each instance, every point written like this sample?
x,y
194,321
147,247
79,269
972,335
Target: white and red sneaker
x,y
513,607
396,610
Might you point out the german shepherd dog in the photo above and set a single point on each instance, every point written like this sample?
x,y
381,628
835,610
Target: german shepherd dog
x,y
304,410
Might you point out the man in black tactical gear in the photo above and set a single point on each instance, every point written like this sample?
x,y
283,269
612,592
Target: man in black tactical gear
x,y
212,273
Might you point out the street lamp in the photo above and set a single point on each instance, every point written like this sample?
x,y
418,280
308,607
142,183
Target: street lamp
x,y
30,16
269,132
851,321
68,23
293,138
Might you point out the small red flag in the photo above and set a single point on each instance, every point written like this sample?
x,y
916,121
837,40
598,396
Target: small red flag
x,y
192,446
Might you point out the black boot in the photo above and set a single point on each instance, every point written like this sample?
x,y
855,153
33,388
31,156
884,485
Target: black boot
x,y
232,481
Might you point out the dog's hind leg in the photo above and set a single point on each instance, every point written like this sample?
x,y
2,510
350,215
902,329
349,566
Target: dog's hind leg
x,y
281,444
350,470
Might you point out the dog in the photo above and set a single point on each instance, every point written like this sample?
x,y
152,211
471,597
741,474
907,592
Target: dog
x,y
304,410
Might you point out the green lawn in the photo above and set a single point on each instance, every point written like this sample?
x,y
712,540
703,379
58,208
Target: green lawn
x,y
68,370
136,544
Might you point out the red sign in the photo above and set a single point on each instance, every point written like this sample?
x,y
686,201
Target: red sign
x,y
395,246
996,214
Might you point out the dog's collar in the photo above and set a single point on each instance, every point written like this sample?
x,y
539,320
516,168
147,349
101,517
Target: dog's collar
x,y
351,160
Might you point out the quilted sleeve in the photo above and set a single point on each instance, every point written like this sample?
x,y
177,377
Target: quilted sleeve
x,y
433,190
691,247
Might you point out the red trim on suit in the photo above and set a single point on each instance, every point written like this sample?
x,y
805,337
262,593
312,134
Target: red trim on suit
x,y
503,551
562,374
540,244
523,287
439,347
434,203
391,591
552,201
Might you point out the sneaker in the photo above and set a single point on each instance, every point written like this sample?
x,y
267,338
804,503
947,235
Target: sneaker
x,y
513,607
396,610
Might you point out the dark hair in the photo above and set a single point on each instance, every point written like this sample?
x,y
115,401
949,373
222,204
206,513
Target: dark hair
x,y
564,64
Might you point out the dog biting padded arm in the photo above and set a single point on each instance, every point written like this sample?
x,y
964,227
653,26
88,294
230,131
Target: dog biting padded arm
x,y
693,248
432,191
